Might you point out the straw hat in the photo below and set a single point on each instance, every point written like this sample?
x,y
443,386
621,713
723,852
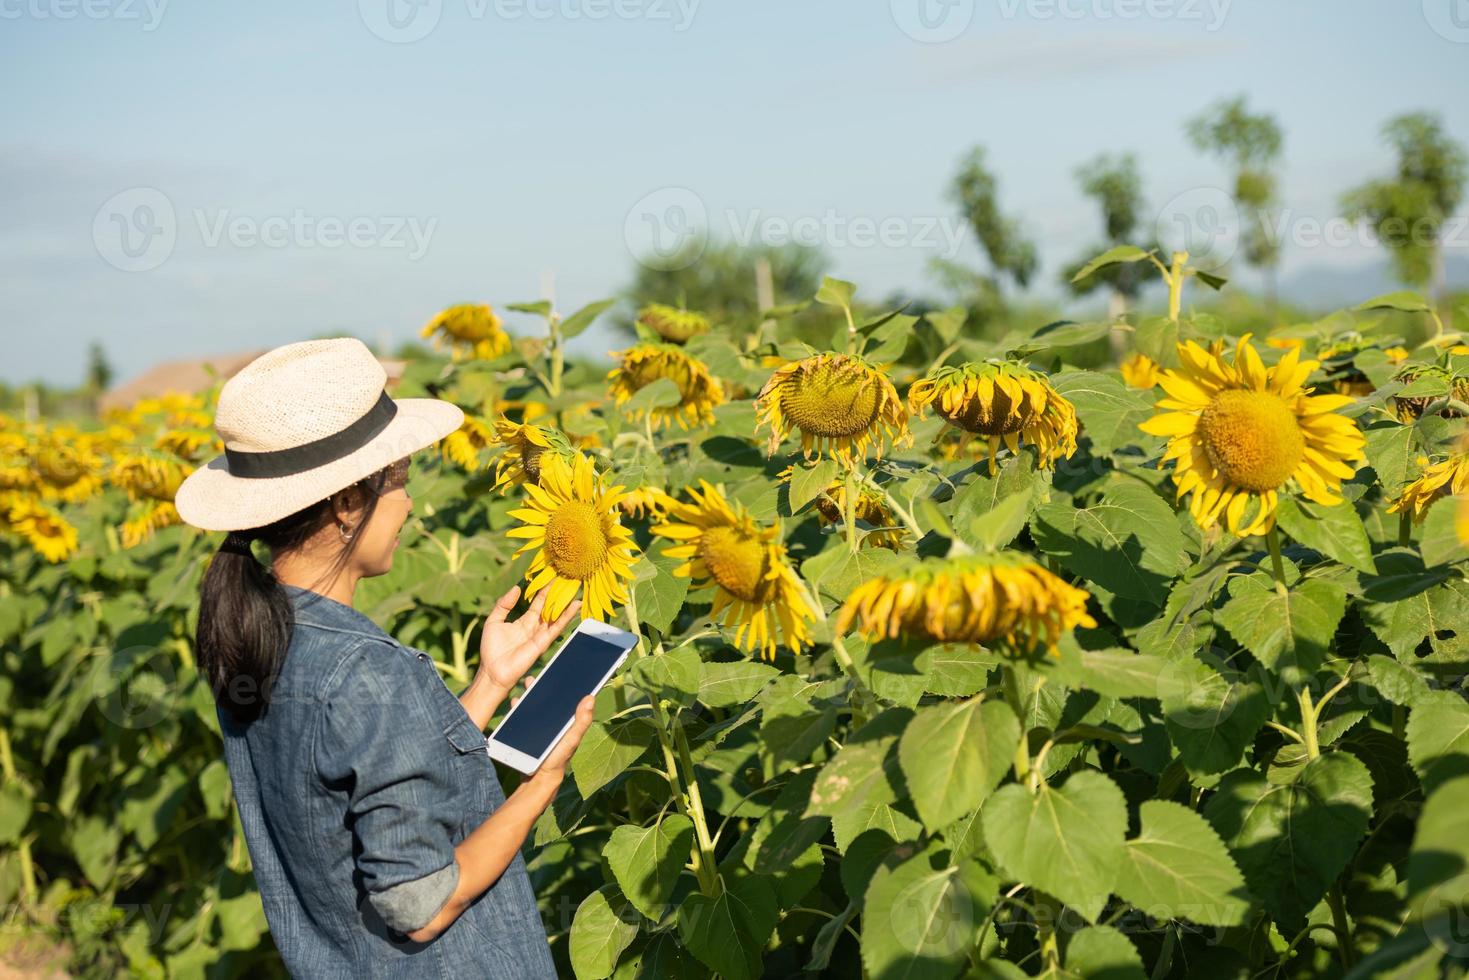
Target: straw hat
x,y
300,423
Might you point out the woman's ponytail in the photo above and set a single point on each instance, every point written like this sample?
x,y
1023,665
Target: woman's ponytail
x,y
246,618
245,621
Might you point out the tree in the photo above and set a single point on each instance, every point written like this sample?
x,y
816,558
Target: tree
x,y
99,371
1408,210
1250,145
1116,186
977,192
722,283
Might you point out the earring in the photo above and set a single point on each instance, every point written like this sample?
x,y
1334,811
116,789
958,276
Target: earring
x,y
342,530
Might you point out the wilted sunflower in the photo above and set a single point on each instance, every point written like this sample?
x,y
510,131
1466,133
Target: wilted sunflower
x,y
146,519
672,324
1239,432
1140,371
744,564
642,364
472,330
1337,361
1412,408
43,527
1003,600
840,404
149,476
570,521
64,470
1441,479
189,444
1006,403
871,507
520,446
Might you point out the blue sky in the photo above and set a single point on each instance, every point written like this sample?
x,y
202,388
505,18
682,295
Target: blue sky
x,y
321,177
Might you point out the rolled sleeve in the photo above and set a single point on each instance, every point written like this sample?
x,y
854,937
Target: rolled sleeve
x,y
381,743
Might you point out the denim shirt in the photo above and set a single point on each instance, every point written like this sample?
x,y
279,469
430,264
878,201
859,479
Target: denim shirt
x,y
353,788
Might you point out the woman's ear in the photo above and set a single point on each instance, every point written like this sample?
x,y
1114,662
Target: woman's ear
x,y
347,506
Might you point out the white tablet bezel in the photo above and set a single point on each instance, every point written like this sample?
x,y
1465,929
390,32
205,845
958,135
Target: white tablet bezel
x,y
518,760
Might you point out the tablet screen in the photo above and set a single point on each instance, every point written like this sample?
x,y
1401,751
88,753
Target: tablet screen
x,y
538,718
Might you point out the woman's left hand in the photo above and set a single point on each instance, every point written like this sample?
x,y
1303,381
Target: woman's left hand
x,y
507,650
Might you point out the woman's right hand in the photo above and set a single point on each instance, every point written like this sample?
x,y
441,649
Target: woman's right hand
x,y
554,764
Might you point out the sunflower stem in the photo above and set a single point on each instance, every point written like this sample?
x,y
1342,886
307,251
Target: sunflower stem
x,y
1346,948
558,358
904,514
1308,724
1175,285
702,839
1405,528
849,507
1277,566
864,702
1017,704
1047,911
686,789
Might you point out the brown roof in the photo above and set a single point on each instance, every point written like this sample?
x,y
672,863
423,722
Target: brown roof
x,y
194,375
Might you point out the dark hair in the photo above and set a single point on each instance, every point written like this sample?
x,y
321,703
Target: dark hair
x,y
246,618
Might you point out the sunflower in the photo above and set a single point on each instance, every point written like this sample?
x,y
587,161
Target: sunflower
x,y
1140,371
744,564
672,324
839,402
698,390
1441,479
178,411
1239,432
1004,402
465,443
646,502
43,527
472,330
871,507
1004,600
570,521
1396,355
520,446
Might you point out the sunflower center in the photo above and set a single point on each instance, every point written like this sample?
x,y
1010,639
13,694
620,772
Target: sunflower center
x,y
831,403
1252,438
576,541
996,417
735,559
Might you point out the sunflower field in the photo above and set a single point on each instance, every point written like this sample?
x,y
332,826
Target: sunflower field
x,y
958,658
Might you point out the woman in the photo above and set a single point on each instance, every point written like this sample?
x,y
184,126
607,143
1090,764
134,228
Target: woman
x,y
382,842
